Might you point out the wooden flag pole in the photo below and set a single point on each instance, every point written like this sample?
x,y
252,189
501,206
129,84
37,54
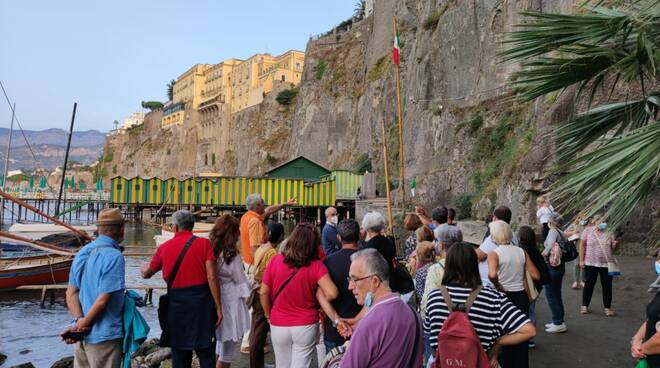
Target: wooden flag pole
x,y
387,180
402,176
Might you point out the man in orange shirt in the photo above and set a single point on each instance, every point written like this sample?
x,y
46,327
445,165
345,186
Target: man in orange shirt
x,y
254,233
253,226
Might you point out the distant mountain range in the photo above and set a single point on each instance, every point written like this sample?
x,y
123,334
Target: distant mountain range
x,y
53,136
49,147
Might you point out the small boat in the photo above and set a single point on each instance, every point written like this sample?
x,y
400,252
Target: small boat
x,y
201,229
52,234
34,270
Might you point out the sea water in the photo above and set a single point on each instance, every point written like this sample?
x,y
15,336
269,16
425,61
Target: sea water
x,y
29,333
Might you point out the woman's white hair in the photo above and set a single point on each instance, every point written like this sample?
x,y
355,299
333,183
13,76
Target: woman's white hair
x,y
374,222
500,232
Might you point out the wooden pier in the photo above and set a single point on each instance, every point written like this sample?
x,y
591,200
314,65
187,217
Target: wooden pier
x,y
76,208
50,291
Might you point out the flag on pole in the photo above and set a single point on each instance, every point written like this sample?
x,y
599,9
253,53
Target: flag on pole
x,y
396,49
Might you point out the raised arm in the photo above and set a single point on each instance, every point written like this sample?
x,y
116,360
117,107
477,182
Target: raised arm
x,y
274,208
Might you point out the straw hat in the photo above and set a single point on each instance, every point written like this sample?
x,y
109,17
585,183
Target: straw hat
x,y
110,216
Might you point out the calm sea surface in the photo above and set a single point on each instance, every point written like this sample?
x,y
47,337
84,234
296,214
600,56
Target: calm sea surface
x,y
31,334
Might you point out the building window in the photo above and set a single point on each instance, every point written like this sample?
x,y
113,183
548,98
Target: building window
x,y
283,78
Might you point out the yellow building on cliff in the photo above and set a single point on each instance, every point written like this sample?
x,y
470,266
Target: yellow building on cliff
x,y
231,85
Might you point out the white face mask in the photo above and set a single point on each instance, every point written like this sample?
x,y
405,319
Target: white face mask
x,y
333,220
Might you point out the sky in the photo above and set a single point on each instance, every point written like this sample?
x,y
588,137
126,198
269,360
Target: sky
x,y
110,55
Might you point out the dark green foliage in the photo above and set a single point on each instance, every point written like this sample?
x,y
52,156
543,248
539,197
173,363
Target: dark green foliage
x,y
152,105
362,164
358,11
285,97
378,70
170,90
464,206
319,69
432,21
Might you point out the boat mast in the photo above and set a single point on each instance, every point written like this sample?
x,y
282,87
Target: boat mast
x,y
4,178
66,160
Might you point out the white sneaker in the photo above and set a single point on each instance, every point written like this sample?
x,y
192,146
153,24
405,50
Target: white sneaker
x,y
548,325
556,328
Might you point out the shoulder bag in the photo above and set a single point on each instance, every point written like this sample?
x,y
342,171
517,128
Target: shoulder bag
x,y
613,268
164,300
286,282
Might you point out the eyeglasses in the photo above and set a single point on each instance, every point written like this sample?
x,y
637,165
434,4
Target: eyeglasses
x,y
352,280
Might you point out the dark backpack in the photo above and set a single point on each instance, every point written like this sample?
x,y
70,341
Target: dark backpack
x,y
569,250
458,343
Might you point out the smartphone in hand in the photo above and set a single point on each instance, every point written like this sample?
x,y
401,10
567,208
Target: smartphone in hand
x,y
73,335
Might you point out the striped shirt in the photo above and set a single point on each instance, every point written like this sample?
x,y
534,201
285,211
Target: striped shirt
x,y
492,314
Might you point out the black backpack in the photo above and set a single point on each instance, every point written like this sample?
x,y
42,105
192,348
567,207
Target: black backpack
x,y
569,250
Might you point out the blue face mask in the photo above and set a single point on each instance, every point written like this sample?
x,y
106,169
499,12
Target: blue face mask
x,y
602,226
583,222
369,300
657,268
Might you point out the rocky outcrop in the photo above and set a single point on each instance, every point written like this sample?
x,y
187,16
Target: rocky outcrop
x,y
66,362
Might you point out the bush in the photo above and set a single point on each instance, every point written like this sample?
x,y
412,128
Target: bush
x,y
152,105
362,164
464,206
432,21
285,97
319,69
379,69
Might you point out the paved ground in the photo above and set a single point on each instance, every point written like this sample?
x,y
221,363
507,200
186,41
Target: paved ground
x,y
592,340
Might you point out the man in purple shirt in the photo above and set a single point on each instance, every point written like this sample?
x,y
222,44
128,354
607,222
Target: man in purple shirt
x,y
390,334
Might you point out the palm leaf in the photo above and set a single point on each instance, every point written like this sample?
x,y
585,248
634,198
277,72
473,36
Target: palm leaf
x,y
609,155
573,136
616,176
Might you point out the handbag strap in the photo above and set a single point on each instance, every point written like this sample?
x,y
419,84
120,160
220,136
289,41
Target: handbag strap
x,y
175,270
286,282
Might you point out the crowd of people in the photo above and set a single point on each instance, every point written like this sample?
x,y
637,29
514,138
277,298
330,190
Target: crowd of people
x,y
343,295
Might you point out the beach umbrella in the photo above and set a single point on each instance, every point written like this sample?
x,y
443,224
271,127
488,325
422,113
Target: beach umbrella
x,y
31,182
73,183
42,182
99,184
82,185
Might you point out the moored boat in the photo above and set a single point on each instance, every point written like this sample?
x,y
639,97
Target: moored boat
x,y
34,270
201,229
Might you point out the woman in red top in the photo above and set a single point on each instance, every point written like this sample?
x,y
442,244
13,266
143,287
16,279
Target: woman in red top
x,y
288,296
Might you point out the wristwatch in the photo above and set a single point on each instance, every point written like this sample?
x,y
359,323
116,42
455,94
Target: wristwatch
x,y
335,322
75,320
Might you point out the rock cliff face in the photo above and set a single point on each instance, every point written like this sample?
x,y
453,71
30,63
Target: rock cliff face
x,y
464,140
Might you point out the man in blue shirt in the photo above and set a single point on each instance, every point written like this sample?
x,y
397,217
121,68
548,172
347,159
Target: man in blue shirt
x,y
329,238
95,296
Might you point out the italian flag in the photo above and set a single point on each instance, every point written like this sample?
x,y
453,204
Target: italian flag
x,y
396,49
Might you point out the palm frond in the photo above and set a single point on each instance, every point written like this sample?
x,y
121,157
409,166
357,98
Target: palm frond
x,y
573,136
609,156
616,176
